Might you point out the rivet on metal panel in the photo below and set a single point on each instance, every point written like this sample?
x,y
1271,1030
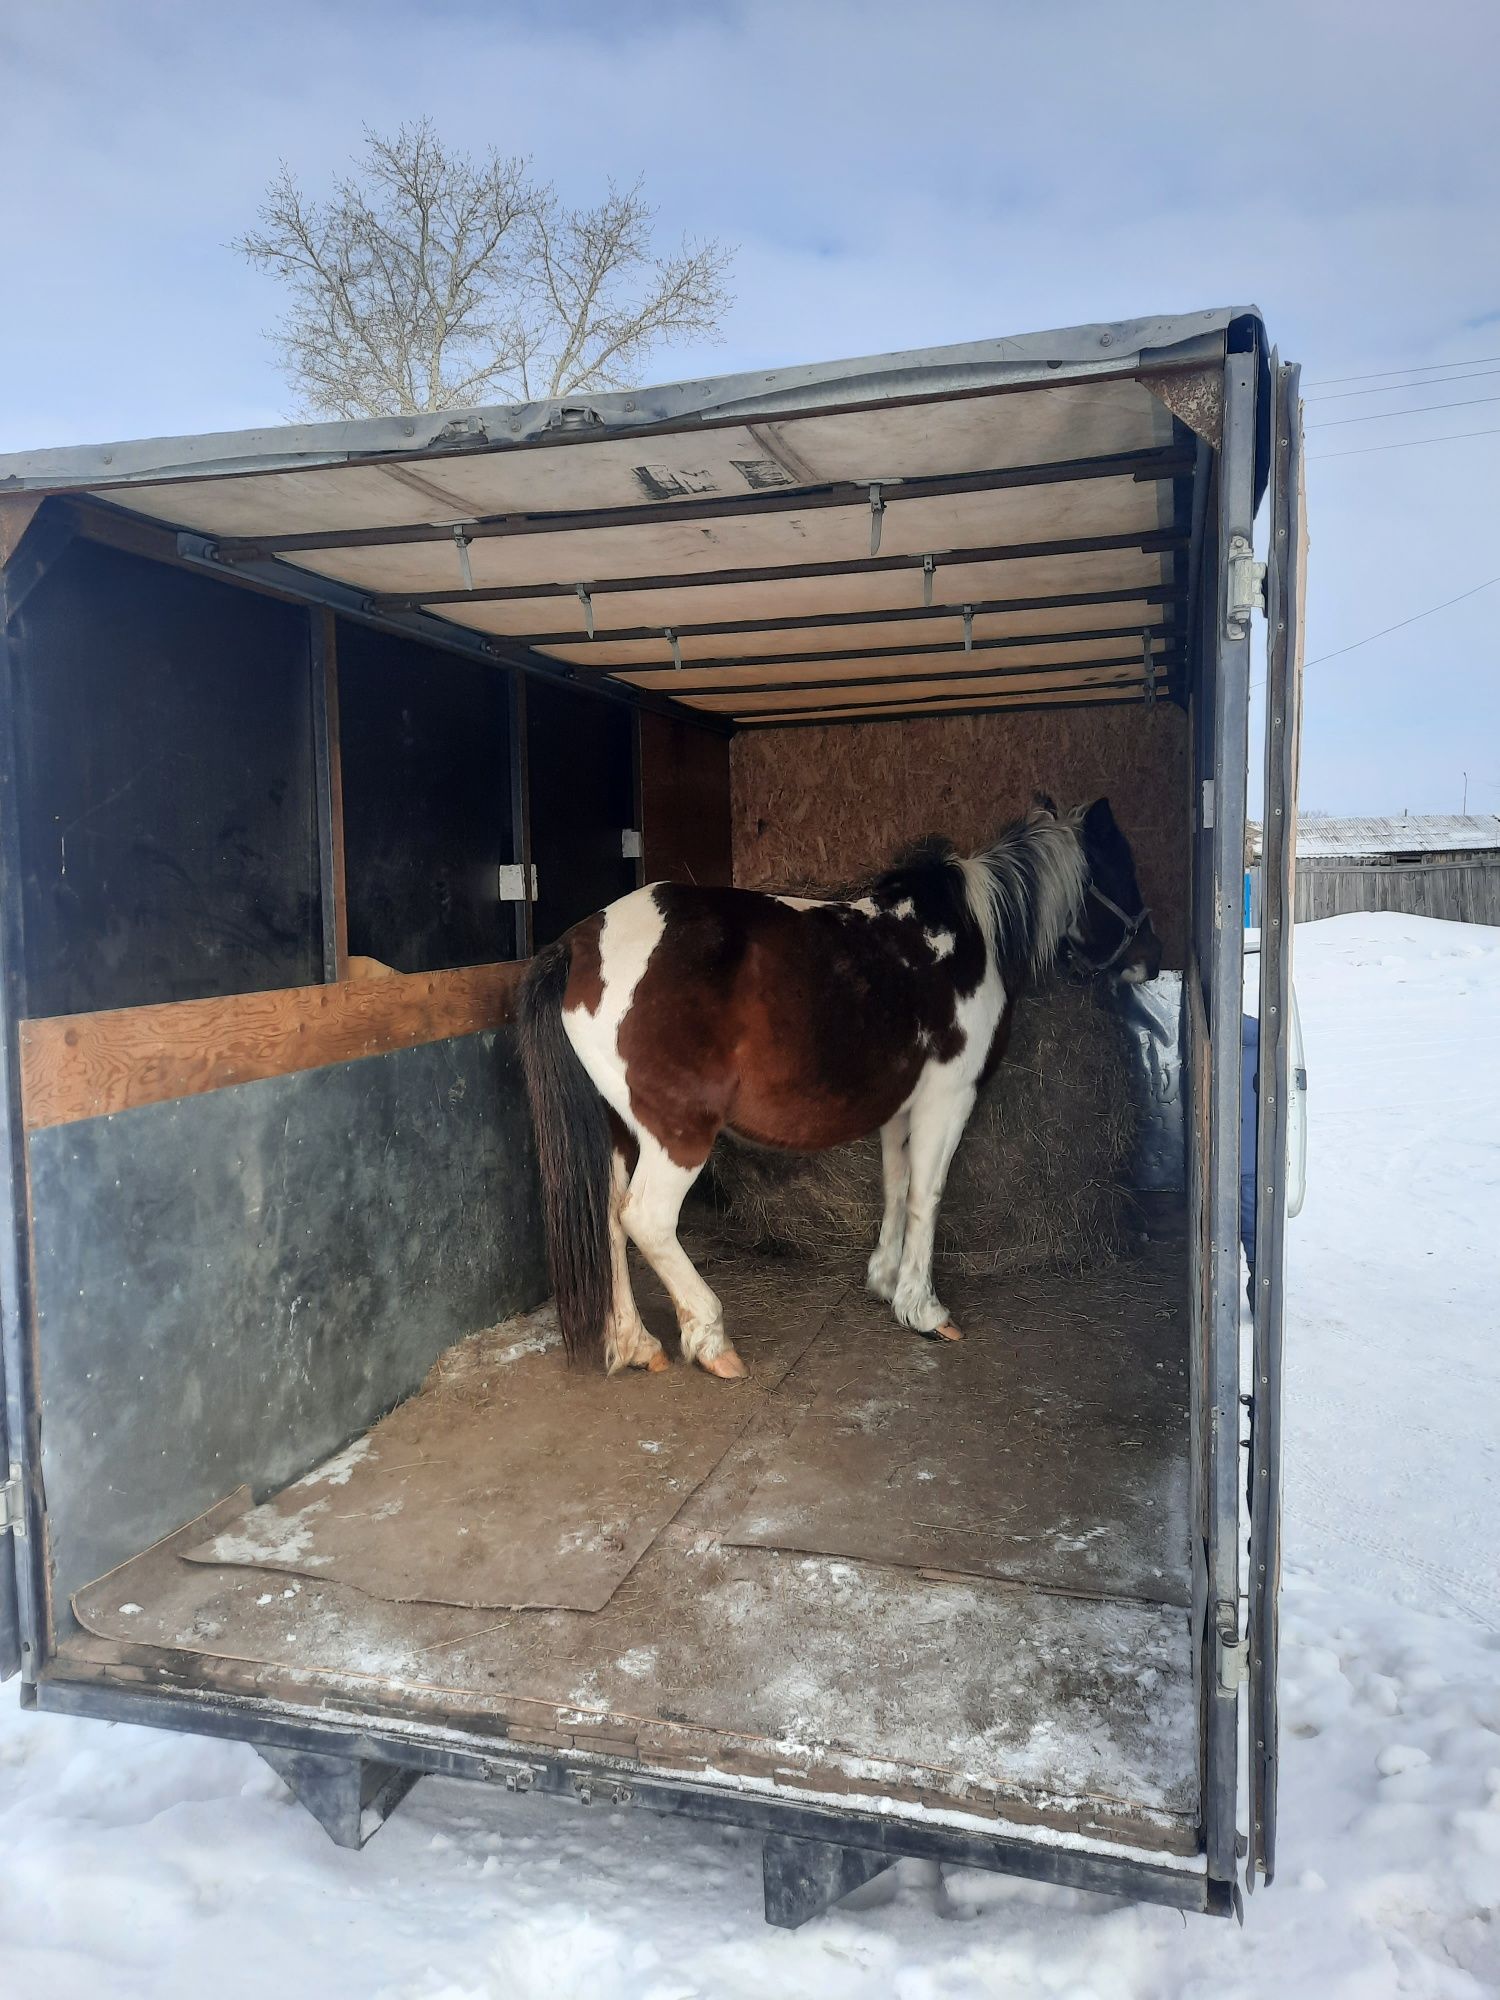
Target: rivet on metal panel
x,y
877,512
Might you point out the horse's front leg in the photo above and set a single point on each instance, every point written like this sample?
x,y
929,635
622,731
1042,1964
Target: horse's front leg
x,y
938,1116
885,1259
658,1188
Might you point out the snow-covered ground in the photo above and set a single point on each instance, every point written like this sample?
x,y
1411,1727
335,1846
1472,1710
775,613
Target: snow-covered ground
x,y
147,1864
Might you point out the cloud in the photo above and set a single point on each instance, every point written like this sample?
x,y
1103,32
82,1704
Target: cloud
x,y
892,176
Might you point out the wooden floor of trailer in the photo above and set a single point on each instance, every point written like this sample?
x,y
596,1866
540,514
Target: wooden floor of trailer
x,y
953,1577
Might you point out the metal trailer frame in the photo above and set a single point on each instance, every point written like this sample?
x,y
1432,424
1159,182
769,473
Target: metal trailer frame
x,y
351,1775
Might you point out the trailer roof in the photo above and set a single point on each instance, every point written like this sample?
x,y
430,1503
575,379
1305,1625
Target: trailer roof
x,y
1001,523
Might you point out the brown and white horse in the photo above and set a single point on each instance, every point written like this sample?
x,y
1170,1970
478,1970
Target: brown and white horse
x,y
677,1012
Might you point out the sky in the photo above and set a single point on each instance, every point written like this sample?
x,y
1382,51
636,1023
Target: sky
x,y
891,175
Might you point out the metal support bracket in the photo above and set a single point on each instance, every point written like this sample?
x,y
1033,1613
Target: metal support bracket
x,y
968,628
351,1798
13,1505
877,515
585,598
804,1877
1148,660
1233,1649
461,543
929,566
671,638
1245,588
517,883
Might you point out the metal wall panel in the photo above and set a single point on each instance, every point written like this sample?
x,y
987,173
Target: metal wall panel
x,y
231,1286
165,787
425,753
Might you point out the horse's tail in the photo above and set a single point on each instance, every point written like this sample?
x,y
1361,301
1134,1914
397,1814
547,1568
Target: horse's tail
x,y
574,1150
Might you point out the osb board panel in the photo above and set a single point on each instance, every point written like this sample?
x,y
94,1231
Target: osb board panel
x,y
510,1479
844,1676
967,1452
833,804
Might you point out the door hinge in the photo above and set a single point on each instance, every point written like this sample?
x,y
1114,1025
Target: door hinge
x,y
1234,1651
513,882
632,847
13,1504
1245,587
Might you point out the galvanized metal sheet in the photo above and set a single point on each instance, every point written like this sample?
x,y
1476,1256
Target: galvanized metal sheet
x,y
231,1286
1284,609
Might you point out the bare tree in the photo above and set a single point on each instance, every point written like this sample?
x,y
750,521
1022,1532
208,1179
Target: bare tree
x,y
432,281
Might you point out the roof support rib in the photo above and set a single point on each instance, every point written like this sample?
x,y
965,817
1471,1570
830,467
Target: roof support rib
x,y
1151,541
1160,462
970,703
1135,678
827,621
932,649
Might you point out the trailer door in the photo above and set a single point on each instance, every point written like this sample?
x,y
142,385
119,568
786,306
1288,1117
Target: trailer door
x,y
1284,578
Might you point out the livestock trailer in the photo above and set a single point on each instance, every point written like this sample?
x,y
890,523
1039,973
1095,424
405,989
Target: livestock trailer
x,y
310,737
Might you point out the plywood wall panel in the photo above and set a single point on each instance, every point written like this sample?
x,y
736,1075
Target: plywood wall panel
x,y
834,804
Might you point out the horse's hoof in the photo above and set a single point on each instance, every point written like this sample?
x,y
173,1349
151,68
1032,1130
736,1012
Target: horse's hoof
x,y
656,1362
726,1365
948,1331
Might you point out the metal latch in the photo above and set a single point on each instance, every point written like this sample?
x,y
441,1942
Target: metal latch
x,y
1246,587
513,888
13,1504
1234,1652
631,848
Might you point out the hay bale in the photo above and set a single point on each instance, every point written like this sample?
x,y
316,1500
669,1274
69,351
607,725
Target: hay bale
x,y
1038,1180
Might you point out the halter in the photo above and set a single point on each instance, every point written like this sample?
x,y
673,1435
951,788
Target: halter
x,y
1130,930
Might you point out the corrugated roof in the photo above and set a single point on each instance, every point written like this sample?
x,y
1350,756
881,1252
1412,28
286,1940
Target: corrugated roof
x,y
1373,834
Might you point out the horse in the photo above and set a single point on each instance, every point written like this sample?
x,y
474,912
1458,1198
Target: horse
x,y
679,1012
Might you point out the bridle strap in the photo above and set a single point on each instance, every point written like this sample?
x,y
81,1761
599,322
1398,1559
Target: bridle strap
x,y
1130,929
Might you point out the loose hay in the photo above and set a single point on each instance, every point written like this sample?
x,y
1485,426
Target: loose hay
x,y
1037,1182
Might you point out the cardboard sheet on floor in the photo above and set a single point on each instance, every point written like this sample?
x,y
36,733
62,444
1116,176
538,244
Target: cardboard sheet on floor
x,y
512,1481
1049,1448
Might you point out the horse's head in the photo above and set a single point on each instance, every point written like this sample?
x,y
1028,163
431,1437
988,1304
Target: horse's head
x,y
1112,934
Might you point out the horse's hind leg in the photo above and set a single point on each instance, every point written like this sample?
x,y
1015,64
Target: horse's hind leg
x,y
895,1164
628,1342
938,1117
658,1188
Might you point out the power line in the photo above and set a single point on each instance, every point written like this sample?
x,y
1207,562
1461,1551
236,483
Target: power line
x,y
1383,416
1405,444
1415,618
1383,374
1397,388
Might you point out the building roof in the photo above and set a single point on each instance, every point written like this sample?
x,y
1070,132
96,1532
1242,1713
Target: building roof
x,y
1376,835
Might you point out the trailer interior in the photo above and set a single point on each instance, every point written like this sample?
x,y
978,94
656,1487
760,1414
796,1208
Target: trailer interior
x,y
314,737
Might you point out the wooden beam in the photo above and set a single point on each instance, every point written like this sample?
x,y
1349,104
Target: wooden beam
x,y
86,1065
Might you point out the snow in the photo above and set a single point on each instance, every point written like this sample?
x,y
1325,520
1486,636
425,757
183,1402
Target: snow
x,y
145,1864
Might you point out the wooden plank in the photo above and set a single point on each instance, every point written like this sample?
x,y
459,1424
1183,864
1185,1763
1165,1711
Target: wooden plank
x,y
86,1065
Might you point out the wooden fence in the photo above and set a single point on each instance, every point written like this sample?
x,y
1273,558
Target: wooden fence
x,y
1466,892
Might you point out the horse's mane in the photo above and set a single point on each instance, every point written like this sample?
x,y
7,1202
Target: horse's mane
x,y
1023,890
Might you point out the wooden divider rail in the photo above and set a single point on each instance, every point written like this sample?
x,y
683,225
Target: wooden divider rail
x,y
85,1065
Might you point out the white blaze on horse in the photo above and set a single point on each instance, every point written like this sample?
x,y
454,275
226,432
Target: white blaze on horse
x,y
678,1012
